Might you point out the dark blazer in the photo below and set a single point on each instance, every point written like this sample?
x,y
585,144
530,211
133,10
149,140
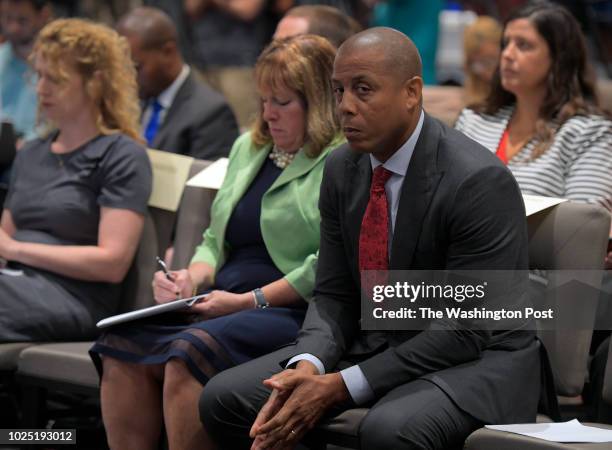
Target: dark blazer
x,y
460,208
199,123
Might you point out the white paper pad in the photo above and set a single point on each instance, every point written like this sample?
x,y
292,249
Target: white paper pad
x,y
535,203
176,305
11,272
572,431
212,176
170,171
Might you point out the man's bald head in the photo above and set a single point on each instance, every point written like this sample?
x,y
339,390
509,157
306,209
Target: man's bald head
x,y
400,55
153,40
378,86
151,25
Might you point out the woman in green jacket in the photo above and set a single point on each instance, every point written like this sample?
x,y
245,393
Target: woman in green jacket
x,y
257,260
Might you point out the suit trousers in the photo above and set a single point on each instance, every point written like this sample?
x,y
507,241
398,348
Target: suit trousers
x,y
416,415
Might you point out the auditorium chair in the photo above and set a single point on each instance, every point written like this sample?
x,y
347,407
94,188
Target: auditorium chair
x,y
568,236
578,235
485,439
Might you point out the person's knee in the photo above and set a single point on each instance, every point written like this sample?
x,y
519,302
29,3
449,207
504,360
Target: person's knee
x,y
214,403
123,371
176,376
227,411
378,431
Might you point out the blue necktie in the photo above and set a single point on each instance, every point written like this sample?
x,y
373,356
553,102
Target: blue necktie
x,y
153,125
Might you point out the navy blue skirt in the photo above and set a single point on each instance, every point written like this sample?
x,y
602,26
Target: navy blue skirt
x,y
207,347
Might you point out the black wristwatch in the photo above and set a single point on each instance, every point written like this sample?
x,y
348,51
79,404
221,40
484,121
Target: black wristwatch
x,y
260,299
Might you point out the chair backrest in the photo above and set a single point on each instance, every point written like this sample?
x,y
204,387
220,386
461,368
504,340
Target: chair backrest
x,y
193,218
137,292
164,227
443,102
570,236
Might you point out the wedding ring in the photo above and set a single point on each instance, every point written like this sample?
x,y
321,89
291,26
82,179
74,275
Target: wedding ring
x,y
293,432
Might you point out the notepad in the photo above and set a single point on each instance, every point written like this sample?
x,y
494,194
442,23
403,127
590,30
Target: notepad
x,y
11,272
176,305
212,176
572,431
536,203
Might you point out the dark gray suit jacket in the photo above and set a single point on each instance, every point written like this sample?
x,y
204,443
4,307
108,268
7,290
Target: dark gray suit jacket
x,y
199,123
460,208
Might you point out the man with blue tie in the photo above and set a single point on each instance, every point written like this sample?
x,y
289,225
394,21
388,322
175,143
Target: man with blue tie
x,y
405,193
180,114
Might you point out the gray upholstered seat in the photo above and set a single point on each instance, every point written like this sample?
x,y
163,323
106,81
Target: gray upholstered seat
x,y
489,439
9,354
64,363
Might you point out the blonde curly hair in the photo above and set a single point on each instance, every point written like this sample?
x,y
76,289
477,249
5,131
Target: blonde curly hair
x,y
102,57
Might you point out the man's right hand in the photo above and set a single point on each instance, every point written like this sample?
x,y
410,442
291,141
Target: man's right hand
x,y
272,406
301,397
165,290
275,403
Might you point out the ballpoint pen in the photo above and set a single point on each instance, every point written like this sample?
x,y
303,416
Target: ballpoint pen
x,y
164,268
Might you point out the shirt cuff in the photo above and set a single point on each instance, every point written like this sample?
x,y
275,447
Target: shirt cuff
x,y
308,357
357,385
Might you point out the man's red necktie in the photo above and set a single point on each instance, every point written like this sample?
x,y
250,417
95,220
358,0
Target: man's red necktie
x,y
374,235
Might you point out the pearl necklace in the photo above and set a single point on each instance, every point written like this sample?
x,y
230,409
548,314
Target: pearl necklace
x,y
280,158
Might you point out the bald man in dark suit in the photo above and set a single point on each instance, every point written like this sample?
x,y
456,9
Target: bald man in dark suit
x,y
405,193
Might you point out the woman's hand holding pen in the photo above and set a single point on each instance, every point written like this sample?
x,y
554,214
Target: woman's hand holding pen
x,y
175,284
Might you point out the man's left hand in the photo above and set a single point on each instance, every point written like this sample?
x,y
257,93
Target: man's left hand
x,y
311,395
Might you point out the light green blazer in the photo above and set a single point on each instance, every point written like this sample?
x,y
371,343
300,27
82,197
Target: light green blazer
x,y
289,212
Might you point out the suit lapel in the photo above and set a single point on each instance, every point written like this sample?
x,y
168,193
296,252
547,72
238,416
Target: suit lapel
x,y
173,114
358,180
419,186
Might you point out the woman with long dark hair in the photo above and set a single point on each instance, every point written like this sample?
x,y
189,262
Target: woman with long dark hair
x,y
542,116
